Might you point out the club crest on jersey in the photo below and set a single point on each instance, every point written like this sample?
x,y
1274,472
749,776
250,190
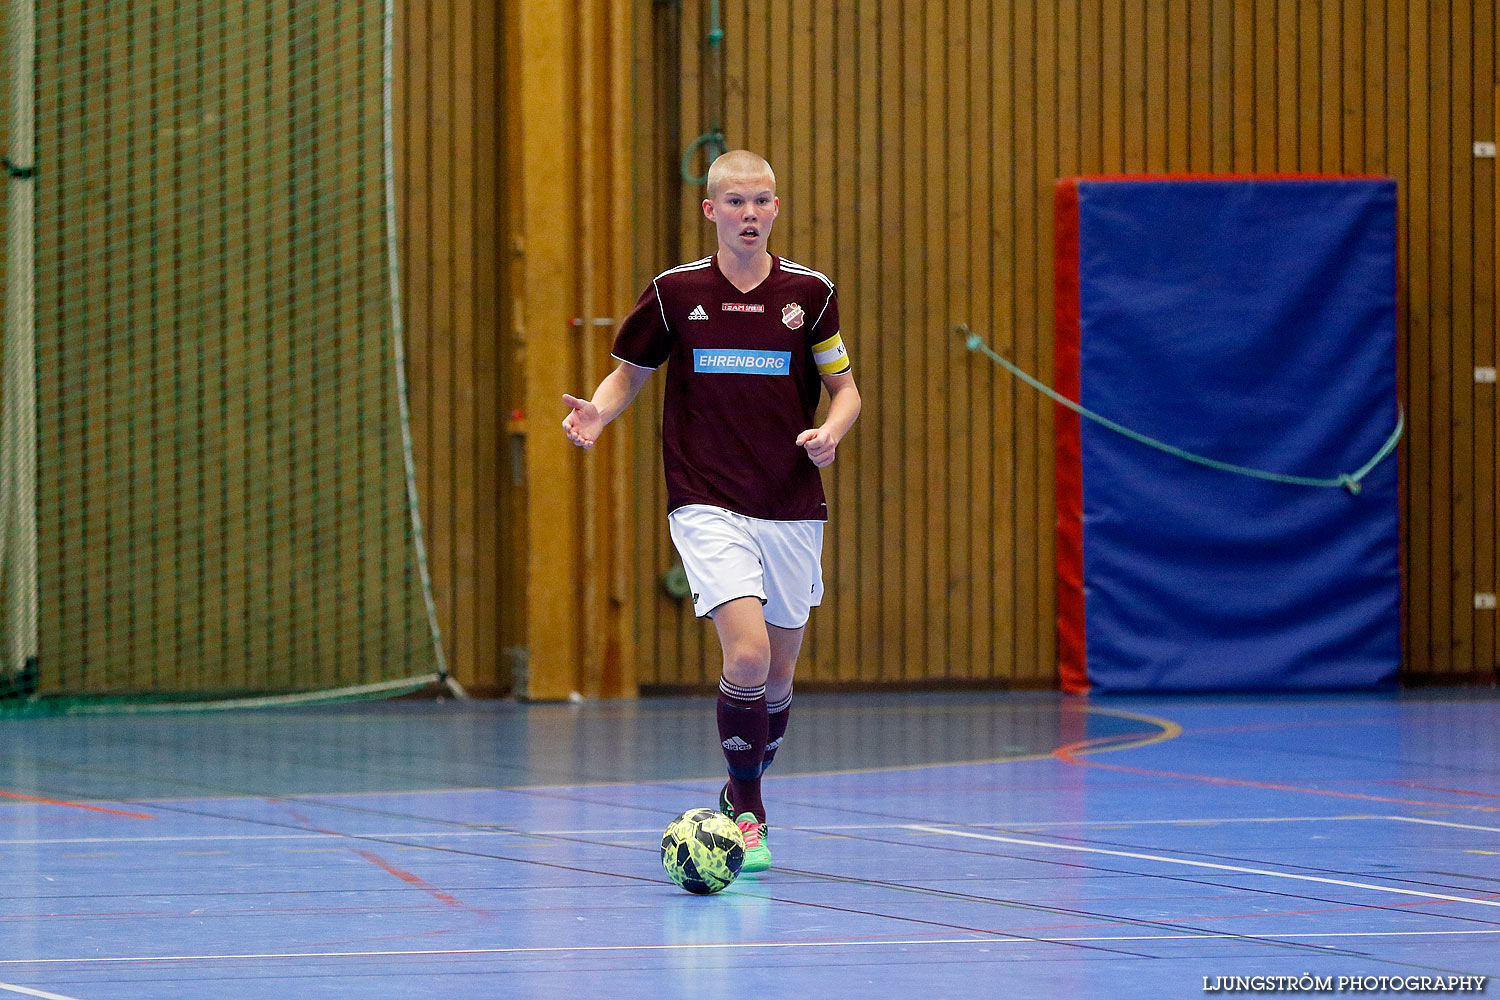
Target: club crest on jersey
x,y
792,315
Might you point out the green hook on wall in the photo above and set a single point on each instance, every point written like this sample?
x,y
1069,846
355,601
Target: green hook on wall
x,y
711,142
713,147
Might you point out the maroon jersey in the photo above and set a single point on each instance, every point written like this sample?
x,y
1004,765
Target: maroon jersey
x,y
743,382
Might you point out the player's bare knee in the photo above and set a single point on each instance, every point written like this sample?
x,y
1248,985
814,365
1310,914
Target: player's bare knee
x,y
747,661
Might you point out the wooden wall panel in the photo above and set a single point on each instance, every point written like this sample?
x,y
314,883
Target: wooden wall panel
x,y
450,163
566,225
917,146
516,235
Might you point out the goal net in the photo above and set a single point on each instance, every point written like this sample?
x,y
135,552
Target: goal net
x,y
207,492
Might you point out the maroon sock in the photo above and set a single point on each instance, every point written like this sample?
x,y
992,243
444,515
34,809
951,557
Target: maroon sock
x,y
742,734
776,718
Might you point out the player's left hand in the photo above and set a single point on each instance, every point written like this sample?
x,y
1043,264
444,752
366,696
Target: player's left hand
x,y
819,444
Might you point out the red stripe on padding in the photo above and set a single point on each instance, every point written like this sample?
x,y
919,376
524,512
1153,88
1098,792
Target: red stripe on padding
x,y
1072,650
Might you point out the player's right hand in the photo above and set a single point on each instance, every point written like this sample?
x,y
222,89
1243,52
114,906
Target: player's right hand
x,y
582,424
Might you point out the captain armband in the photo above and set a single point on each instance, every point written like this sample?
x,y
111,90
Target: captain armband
x,y
831,356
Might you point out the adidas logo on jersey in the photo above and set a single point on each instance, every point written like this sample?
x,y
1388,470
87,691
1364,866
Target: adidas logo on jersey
x,y
698,313
735,743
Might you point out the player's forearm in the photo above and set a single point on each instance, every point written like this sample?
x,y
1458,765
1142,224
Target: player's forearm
x,y
618,390
843,410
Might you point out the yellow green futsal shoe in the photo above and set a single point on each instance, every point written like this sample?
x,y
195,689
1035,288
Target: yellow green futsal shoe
x,y
757,854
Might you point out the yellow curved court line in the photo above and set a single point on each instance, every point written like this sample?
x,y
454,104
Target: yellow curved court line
x,y
1169,731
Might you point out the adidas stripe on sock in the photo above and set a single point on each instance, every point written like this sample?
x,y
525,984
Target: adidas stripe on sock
x,y
776,720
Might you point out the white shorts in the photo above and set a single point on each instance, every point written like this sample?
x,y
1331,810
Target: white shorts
x,y
727,556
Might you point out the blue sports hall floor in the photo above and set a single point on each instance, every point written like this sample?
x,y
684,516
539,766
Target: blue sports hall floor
x,y
935,845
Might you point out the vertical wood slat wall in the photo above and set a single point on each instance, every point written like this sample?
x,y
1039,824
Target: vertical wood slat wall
x,y
917,146
568,84
514,189
447,92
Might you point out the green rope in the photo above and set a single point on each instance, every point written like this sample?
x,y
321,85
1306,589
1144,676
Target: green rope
x,y
1348,480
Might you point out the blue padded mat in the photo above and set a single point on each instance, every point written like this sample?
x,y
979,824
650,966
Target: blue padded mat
x,y
1251,321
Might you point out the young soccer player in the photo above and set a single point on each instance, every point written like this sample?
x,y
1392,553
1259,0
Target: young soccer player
x,y
750,340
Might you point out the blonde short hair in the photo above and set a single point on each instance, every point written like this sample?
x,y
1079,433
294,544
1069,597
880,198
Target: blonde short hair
x,y
737,161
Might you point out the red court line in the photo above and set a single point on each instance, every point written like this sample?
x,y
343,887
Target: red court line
x,y
1333,909
74,805
1440,788
415,880
1069,754
1127,922
1265,727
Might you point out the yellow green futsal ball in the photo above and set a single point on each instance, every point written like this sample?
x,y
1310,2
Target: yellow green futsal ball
x,y
702,850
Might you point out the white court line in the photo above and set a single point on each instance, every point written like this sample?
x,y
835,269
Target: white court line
x,y
33,993
1201,864
218,838
820,828
998,937
1439,822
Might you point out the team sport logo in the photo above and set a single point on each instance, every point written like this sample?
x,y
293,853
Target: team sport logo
x,y
792,315
744,307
